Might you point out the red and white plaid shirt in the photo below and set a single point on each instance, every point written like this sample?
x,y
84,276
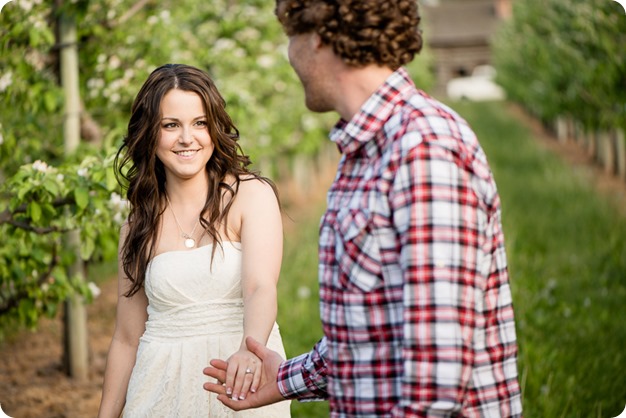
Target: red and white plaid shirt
x,y
414,289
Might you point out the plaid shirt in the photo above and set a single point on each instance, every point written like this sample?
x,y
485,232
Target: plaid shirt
x,y
414,290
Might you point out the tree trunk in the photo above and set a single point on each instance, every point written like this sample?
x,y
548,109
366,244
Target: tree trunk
x,y
75,318
620,140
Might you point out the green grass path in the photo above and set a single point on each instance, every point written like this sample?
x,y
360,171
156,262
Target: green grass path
x,y
566,245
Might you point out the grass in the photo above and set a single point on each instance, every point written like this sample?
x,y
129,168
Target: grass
x,y
298,311
567,254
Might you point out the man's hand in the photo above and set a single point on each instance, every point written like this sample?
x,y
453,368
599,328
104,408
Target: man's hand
x,y
267,392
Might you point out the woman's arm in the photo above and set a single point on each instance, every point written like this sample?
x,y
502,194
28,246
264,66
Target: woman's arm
x,y
130,324
261,235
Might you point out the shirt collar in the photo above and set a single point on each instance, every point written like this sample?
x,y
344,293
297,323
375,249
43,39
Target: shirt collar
x,y
369,120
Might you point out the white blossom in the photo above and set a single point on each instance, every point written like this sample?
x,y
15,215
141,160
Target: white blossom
x,y
248,34
41,166
5,81
94,289
115,198
304,292
26,5
309,122
118,204
83,171
118,218
165,15
265,61
114,62
224,44
35,59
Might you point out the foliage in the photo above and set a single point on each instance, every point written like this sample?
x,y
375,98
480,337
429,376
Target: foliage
x,y
44,202
45,192
566,58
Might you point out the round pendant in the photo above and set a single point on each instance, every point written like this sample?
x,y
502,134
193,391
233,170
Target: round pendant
x,y
190,243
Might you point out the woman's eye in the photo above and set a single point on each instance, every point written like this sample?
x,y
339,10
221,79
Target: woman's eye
x,y
201,123
169,125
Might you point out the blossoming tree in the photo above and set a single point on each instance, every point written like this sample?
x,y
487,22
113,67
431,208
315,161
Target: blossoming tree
x,y
44,193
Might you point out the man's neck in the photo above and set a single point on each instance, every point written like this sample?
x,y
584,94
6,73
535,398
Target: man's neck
x,y
356,85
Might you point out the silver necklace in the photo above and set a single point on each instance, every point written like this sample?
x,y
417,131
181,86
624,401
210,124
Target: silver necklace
x,y
189,241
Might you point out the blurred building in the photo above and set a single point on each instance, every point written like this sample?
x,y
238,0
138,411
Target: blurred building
x,y
459,32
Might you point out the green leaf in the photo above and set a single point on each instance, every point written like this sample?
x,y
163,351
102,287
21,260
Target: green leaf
x,y
50,101
35,211
111,181
51,186
81,195
22,192
48,210
87,248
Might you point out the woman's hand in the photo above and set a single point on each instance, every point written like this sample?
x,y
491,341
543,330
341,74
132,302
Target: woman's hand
x,y
267,392
243,374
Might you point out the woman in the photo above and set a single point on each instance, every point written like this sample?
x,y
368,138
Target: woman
x,y
199,256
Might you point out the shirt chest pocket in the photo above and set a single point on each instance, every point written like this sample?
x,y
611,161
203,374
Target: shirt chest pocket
x,y
357,250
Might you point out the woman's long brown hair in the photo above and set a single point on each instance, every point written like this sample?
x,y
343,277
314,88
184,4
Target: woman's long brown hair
x,y
140,171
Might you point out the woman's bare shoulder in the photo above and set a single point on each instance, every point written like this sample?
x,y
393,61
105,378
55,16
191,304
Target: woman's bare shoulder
x,y
256,188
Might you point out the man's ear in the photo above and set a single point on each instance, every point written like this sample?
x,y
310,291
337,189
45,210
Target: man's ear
x,y
316,40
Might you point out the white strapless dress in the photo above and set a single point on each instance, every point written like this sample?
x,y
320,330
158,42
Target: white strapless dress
x,y
195,314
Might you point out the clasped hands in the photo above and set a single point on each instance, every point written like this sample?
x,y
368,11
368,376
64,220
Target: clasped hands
x,y
246,381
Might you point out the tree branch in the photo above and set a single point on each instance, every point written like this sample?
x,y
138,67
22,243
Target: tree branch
x,y
6,217
36,229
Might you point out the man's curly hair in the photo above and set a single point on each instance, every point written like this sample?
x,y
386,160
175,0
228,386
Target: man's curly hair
x,y
361,32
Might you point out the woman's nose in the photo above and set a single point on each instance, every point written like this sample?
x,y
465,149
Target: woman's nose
x,y
185,136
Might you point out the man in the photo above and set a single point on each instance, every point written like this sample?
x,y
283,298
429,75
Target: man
x,y
414,290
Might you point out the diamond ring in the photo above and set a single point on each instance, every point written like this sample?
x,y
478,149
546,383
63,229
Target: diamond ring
x,y
248,371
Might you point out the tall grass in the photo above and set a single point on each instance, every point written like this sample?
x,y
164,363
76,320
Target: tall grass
x,y
567,254
298,300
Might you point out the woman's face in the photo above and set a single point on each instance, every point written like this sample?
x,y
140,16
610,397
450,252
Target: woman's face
x,y
185,145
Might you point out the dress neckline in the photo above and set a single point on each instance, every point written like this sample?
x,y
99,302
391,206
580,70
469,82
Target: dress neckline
x,y
235,244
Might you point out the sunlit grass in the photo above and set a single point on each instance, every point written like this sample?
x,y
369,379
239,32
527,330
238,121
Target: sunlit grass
x,y
298,299
567,254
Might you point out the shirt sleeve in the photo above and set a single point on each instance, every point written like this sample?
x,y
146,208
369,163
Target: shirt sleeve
x,y
439,218
304,377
